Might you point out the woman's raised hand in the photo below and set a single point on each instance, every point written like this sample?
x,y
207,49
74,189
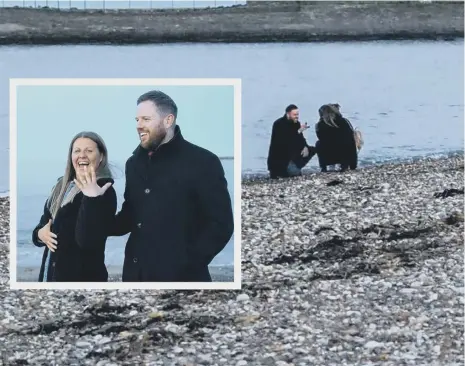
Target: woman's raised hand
x,y
87,183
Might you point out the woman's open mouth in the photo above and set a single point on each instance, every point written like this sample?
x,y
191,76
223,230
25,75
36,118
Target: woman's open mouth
x,y
83,164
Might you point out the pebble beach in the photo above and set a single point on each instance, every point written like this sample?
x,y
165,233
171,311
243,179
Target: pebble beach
x,y
356,268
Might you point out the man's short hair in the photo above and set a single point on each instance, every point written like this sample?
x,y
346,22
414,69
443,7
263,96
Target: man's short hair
x,y
291,107
164,104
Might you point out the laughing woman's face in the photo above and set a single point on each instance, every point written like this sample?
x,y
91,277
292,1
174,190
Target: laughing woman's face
x,y
85,153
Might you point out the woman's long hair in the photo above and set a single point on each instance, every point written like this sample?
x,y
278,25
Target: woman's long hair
x,y
328,114
59,190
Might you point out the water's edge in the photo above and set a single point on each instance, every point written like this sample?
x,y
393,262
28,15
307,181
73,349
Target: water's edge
x,y
363,164
262,175
254,22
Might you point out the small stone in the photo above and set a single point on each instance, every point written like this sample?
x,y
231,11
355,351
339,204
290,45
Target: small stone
x,y
247,319
156,315
420,320
283,363
83,344
351,331
393,330
408,291
242,297
373,345
173,328
205,358
104,340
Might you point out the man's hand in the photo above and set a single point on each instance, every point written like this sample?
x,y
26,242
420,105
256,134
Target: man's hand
x,y
305,152
303,127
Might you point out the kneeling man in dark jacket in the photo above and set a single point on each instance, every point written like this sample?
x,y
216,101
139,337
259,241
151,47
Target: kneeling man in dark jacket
x,y
289,151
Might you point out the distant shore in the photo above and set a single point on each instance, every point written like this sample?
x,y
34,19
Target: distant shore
x,y
255,22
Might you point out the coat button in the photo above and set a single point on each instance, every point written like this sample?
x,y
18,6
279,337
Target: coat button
x,y
139,225
134,260
53,264
147,191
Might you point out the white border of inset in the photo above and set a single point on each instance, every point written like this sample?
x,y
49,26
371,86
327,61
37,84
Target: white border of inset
x,y
235,285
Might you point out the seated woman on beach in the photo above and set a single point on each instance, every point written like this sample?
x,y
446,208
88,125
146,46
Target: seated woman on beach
x,y
336,142
73,228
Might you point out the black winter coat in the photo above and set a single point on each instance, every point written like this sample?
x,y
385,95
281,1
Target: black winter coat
x,y
81,227
286,145
336,145
178,210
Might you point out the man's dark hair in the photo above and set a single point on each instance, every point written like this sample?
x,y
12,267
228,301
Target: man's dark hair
x,y
291,107
163,102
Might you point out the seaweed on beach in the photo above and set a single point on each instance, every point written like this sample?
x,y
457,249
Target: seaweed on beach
x,y
352,255
338,249
334,182
448,193
407,234
455,218
361,268
105,320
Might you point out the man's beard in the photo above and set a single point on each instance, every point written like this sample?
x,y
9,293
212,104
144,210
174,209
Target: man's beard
x,y
155,142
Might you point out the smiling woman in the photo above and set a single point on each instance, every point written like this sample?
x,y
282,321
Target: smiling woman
x,y
176,213
73,229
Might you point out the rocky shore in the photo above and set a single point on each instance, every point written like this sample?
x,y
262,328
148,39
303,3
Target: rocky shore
x,y
258,21
360,268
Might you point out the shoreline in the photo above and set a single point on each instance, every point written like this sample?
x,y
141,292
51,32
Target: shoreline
x,y
259,177
262,176
365,270
256,22
143,39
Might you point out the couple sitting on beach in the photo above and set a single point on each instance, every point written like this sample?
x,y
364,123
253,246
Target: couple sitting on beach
x,y
338,142
176,206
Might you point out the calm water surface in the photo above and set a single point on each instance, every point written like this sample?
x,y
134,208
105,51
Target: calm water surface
x,y
406,97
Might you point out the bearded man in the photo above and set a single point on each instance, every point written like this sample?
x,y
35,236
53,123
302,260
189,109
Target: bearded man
x,y
176,207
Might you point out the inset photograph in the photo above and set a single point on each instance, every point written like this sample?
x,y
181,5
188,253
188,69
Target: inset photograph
x,y
125,183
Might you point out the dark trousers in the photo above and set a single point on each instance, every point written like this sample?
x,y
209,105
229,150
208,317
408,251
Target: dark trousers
x,y
328,155
294,167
